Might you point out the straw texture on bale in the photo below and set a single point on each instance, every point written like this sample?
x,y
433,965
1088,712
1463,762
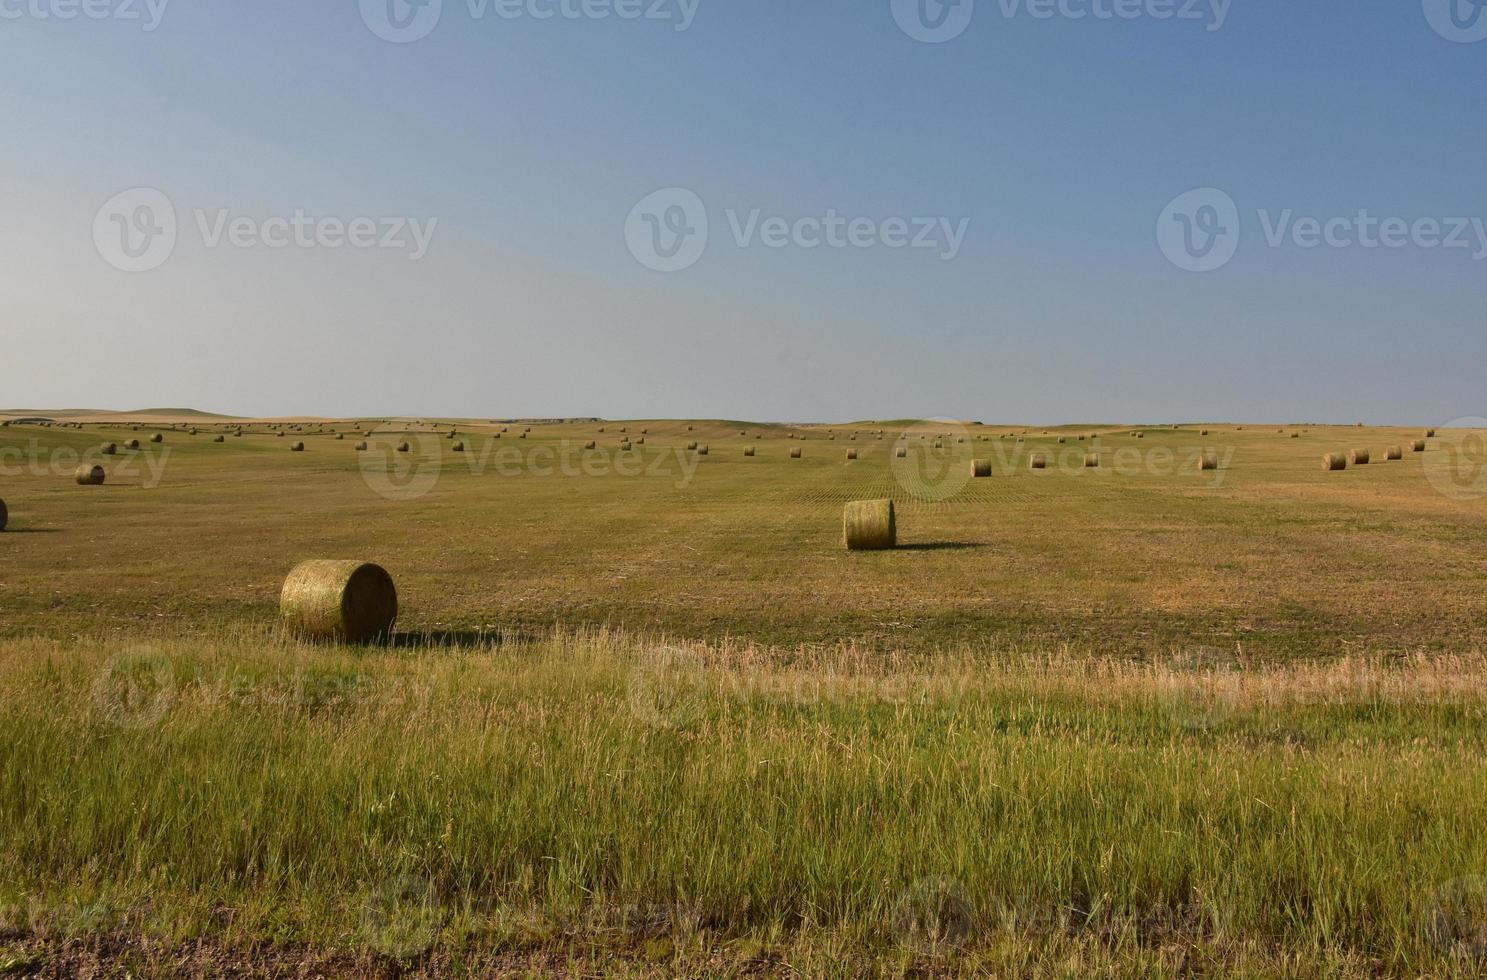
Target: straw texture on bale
x,y
980,469
1208,461
1358,457
1038,461
1332,462
1394,452
1092,460
89,476
795,454
868,525
350,601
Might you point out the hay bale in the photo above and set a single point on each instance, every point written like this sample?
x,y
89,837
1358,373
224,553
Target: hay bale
x,y
851,454
1333,462
1393,452
1295,435
219,438
157,437
1418,446
458,447
980,469
1092,461
902,452
748,450
1208,461
89,476
109,449
1062,440
868,525
361,447
348,601
691,447
591,445
1203,432
795,453
640,441
403,447
339,437
701,450
522,436
1141,435
1358,457
297,447
1038,461
1430,433
132,444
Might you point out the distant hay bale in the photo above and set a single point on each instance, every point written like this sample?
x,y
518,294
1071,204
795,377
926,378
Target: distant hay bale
x,y
1203,432
1081,438
157,437
109,449
851,454
1092,460
795,453
1332,462
1062,440
348,601
361,447
1038,461
1430,433
1394,452
591,445
640,441
132,444
1358,457
297,447
522,436
1208,461
902,452
403,447
219,439
1418,446
1141,435
702,450
339,437
980,469
691,447
89,476
868,525
458,447
748,450
1295,435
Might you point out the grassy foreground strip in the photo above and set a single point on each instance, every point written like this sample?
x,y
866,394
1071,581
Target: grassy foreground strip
x,y
595,803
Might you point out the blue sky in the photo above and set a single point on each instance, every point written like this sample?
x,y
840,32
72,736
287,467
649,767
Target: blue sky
x,y
1055,143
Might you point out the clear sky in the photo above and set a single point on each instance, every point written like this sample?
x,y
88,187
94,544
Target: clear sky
x,y
1043,147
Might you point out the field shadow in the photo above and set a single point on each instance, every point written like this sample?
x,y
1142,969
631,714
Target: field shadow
x,y
457,639
942,546
31,530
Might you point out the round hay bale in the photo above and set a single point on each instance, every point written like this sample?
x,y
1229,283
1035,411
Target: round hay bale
x,y
1141,435
1418,446
279,434
89,476
193,432
348,601
601,430
640,441
591,445
1038,461
219,438
1358,457
522,436
1208,461
851,454
361,447
4,515
132,444
1430,433
902,452
980,469
1062,440
1203,432
157,437
403,447
1332,462
1394,452
340,437
1295,435
109,449
691,447
868,525
1092,461
748,450
297,447
458,447
701,450
795,453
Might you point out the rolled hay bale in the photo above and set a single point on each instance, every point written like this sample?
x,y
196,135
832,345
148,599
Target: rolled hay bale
x,y
522,436
980,469
89,476
450,434
238,434
297,447
1203,432
157,437
1081,438
193,432
1333,462
1092,461
279,434
868,525
625,446
1038,462
1062,440
403,447
458,447
1295,435
1394,452
591,445
1141,435
640,441
601,430
367,434
902,453
340,437
132,444
109,449
1430,433
1418,446
748,450
691,447
701,450
1208,461
347,601
219,438
795,454
851,454
361,447
1358,457
4,515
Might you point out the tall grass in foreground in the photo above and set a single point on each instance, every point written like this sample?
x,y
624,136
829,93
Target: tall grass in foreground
x,y
1016,813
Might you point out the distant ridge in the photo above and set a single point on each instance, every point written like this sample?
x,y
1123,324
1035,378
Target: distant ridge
x,y
108,411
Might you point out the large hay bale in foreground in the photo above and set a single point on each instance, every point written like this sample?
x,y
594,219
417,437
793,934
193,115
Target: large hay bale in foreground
x,y
459,447
1394,452
980,469
868,525
89,476
591,444
691,447
1358,457
350,601
1038,461
1333,462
